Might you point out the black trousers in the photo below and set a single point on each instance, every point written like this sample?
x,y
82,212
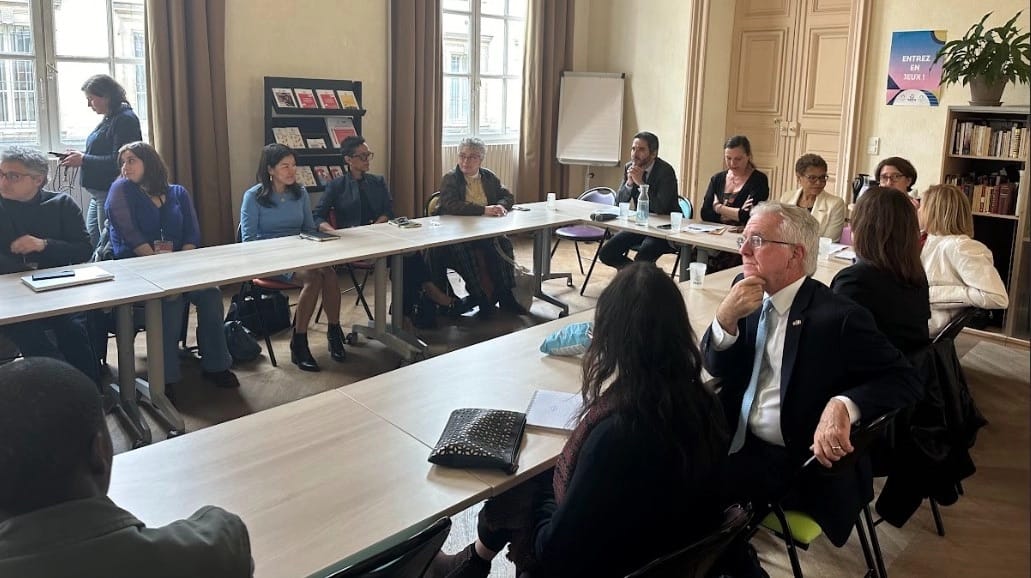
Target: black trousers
x,y
72,341
613,252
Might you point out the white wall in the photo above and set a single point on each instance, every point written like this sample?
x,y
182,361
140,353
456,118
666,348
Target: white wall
x,y
916,133
647,41
306,39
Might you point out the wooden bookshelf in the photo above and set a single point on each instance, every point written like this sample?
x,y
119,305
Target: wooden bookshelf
x,y
1004,232
311,122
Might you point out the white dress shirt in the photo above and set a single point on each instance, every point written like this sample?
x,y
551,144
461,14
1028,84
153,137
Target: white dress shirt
x,y
764,419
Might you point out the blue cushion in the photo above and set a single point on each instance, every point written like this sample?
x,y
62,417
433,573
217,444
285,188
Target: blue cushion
x,y
571,340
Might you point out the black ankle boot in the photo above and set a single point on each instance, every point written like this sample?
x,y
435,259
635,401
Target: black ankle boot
x,y
300,354
336,343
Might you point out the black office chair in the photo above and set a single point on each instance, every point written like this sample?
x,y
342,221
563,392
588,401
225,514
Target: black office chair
x,y
695,560
948,334
802,529
409,559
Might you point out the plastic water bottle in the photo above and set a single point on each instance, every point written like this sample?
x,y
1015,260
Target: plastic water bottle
x,y
642,207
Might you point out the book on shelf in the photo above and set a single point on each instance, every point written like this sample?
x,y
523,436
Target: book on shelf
x,y
348,99
989,194
984,138
288,136
327,98
339,128
305,176
284,98
315,143
306,98
336,171
322,175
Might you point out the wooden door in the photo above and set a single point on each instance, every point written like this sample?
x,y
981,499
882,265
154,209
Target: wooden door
x,y
789,88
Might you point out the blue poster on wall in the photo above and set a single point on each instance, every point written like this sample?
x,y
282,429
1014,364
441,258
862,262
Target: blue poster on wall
x,y
912,80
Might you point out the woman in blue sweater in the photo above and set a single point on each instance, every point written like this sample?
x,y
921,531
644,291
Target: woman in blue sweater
x,y
278,206
147,215
99,160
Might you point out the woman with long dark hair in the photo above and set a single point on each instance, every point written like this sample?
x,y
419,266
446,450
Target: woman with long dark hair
x,y
148,215
279,206
99,159
887,277
639,474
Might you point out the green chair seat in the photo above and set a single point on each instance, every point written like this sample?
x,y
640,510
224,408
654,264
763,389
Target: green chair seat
x,y
803,528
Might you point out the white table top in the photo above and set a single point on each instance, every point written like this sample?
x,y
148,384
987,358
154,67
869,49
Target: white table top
x,y
315,481
20,303
223,264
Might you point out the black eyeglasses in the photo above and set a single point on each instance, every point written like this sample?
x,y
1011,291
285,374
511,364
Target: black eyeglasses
x,y
816,178
363,156
14,177
758,241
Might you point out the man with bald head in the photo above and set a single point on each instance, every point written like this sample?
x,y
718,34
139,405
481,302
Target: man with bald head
x,y
799,366
55,516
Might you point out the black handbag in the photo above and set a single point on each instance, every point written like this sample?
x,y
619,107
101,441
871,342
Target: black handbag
x,y
274,308
481,438
240,341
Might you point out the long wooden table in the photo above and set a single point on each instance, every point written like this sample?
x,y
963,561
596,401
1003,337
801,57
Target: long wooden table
x,y
339,474
22,304
315,480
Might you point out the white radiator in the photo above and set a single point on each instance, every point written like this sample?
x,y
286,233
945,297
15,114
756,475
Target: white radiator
x,y
501,160
66,180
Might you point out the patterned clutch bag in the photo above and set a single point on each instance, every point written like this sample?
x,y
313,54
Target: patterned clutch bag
x,y
481,438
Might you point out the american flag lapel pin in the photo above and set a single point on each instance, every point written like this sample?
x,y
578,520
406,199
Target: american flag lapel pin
x,y
796,323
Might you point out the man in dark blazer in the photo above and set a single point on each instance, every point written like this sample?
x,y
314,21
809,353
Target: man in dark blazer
x,y
823,367
645,168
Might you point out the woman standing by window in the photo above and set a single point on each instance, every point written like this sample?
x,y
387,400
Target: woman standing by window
x,y
99,160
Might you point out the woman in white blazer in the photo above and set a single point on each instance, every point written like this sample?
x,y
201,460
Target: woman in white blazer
x,y
828,209
960,270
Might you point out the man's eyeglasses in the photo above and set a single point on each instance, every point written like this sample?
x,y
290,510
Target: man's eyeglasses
x,y
14,177
892,178
363,156
757,241
816,178
465,157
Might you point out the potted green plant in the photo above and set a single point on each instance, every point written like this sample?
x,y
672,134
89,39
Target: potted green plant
x,y
987,59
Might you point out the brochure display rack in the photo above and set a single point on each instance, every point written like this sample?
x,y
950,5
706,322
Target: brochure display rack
x,y
313,116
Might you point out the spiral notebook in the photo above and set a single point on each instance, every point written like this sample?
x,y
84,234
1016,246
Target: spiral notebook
x,y
554,409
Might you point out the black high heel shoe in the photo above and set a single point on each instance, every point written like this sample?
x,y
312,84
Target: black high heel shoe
x,y
336,343
456,308
300,354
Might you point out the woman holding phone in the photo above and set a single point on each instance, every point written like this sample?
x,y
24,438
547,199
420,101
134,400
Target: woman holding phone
x,y
99,159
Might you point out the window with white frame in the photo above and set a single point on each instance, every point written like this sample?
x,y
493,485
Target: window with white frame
x,y
48,48
483,79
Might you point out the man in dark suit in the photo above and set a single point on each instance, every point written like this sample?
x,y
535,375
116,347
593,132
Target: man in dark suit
x,y
822,366
645,168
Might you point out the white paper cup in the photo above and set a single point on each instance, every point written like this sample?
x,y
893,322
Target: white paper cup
x,y
624,211
676,221
825,248
697,273
551,200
